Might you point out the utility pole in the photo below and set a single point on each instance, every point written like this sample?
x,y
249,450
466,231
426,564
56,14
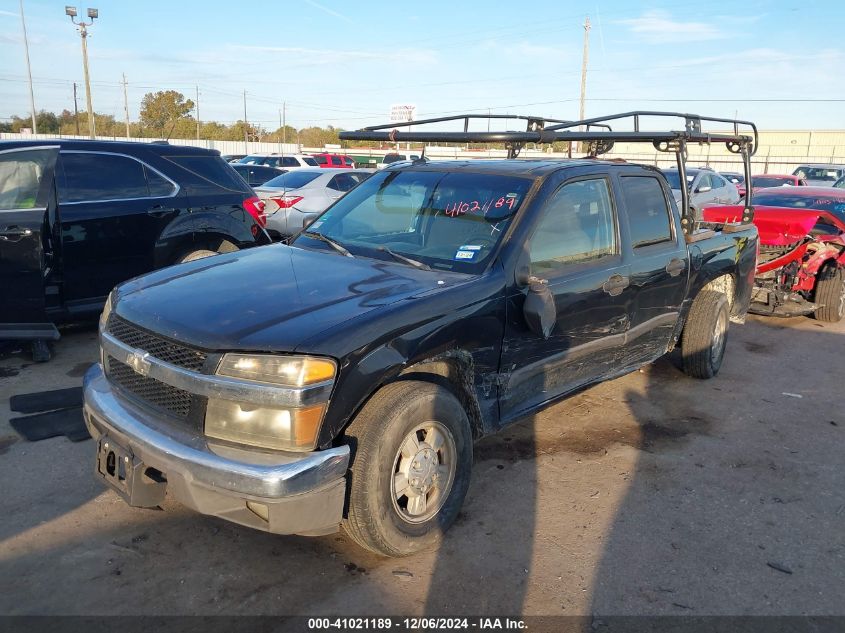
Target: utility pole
x,y
75,109
83,33
584,60
198,111
125,105
246,128
284,125
282,130
28,72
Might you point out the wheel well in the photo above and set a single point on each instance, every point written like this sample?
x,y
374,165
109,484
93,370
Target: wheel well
x,y
454,371
215,243
725,284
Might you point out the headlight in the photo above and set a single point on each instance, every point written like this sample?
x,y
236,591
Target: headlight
x,y
289,371
104,315
269,427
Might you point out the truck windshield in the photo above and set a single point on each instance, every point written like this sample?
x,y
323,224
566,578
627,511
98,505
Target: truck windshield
x,y
450,221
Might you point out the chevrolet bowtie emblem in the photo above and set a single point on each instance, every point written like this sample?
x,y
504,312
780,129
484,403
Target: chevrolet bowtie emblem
x,y
137,360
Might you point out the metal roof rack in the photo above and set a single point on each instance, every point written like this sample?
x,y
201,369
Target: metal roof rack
x,y
741,139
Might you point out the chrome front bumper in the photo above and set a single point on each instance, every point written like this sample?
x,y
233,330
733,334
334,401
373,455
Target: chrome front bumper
x,y
288,493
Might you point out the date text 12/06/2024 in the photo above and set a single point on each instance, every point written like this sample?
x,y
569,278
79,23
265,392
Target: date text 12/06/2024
x,y
415,624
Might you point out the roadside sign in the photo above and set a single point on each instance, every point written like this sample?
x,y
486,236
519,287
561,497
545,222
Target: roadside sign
x,y
401,113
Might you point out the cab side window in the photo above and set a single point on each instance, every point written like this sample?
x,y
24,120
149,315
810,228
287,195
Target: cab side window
x,y
578,226
649,218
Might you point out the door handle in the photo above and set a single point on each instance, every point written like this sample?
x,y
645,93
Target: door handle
x,y
675,267
159,211
615,285
14,234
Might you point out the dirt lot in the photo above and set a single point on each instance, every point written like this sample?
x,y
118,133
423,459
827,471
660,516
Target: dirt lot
x,y
651,494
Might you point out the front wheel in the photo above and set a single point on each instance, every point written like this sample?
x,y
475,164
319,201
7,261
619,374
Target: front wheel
x,y
412,457
705,334
830,293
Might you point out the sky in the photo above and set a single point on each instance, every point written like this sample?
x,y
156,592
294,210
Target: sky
x,y
779,63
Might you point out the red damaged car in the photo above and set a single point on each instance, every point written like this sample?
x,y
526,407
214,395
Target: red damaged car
x,y
801,264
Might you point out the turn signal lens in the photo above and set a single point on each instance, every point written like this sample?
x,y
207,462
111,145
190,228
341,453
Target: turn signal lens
x,y
289,371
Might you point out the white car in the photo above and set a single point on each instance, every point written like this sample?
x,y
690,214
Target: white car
x,y
705,188
294,198
395,157
280,161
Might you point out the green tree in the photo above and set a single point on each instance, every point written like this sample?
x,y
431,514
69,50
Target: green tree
x,y
160,109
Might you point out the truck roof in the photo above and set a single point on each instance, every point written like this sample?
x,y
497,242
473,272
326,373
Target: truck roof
x,y
526,167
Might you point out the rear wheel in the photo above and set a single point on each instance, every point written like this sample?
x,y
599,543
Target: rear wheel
x,y
705,334
412,457
830,294
194,255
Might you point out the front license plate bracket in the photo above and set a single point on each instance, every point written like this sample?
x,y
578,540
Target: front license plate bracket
x,y
128,475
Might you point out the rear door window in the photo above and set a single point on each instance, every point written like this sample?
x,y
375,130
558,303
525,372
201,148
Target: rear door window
x,y
96,177
335,160
212,170
160,187
342,182
310,161
649,219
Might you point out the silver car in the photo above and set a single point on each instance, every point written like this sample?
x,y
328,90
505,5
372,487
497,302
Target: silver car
x,y
294,198
820,175
705,187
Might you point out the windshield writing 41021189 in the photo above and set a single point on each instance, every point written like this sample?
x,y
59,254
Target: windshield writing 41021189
x,y
461,207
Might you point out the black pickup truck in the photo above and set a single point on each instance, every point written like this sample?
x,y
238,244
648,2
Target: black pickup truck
x,y
434,304
79,217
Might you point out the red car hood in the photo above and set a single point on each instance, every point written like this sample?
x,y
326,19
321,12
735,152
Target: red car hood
x,y
777,226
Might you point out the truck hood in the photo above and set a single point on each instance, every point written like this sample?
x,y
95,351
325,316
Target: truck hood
x,y
270,298
777,226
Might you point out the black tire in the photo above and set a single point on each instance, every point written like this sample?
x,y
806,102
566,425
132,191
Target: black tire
x,y
702,349
374,519
201,253
830,294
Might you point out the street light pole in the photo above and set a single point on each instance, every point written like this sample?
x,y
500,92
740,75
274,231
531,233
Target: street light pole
x,y
83,33
28,72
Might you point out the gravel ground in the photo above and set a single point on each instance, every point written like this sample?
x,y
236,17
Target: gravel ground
x,y
650,494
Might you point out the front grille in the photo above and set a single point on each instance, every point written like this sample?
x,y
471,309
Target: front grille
x,y
161,348
149,390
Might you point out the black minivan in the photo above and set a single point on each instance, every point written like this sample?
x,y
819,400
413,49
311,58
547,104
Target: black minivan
x,y
79,217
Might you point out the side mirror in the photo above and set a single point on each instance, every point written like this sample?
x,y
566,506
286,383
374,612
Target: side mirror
x,y
307,221
539,308
704,189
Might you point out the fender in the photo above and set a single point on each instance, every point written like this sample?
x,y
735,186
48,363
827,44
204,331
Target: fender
x,y
175,238
231,222
734,256
429,348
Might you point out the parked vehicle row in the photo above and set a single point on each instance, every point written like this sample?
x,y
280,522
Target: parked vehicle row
x,y
79,217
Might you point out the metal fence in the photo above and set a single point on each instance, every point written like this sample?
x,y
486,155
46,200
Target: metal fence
x,y
779,151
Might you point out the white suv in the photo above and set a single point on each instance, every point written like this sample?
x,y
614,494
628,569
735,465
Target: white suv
x,y
280,161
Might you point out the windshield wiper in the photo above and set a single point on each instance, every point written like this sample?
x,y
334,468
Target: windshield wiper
x,y
335,245
407,260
